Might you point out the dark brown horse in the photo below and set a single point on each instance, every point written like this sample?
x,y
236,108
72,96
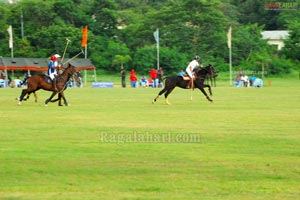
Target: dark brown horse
x,y
177,81
38,82
77,80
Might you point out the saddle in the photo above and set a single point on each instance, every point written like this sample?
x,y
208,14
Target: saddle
x,y
186,78
47,78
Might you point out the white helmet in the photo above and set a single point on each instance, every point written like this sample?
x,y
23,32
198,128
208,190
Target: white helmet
x,y
57,55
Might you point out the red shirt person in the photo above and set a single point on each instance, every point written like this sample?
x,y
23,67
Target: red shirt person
x,y
153,75
132,78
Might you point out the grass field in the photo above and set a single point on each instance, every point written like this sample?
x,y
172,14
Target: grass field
x,y
114,144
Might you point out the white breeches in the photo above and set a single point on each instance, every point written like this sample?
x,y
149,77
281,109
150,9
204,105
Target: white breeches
x,y
191,74
52,76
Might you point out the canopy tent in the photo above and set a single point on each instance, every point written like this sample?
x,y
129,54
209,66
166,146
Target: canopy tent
x,y
33,64
41,64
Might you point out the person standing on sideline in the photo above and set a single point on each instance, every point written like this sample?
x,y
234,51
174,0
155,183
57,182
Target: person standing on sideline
x,y
160,74
133,78
123,77
190,68
153,75
52,73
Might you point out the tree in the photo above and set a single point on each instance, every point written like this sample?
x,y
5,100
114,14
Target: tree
x,y
170,59
4,12
105,18
119,59
292,44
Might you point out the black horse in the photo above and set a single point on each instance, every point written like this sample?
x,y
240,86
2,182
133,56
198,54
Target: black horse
x,y
177,81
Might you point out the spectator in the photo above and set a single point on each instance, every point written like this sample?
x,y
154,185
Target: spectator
x,y
18,82
237,81
153,75
133,78
123,77
160,74
245,80
252,79
144,82
258,83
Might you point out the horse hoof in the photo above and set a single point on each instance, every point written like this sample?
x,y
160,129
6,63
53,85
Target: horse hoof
x,y
46,104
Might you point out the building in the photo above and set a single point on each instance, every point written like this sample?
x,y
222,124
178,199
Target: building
x,y
275,38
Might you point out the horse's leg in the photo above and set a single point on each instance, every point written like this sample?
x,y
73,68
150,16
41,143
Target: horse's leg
x,y
23,93
201,88
28,95
59,98
50,98
35,97
26,98
167,94
62,96
160,93
209,88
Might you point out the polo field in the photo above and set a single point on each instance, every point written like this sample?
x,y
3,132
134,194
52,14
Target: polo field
x,y
115,144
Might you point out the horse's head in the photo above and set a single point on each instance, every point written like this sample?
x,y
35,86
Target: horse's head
x,y
69,70
207,71
211,71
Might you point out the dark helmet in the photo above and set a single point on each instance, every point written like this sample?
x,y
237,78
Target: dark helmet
x,y
197,57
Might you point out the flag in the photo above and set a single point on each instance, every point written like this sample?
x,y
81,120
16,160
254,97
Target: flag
x,y
10,36
229,38
84,36
156,36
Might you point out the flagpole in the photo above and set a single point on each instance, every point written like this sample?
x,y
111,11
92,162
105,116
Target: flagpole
x,y
230,55
230,67
156,37
158,49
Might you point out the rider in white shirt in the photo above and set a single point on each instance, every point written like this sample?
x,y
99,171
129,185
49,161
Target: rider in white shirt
x,y
190,68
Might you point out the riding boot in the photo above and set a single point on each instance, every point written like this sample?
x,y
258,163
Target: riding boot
x,y
54,85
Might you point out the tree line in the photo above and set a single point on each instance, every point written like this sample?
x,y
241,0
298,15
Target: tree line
x,y
120,32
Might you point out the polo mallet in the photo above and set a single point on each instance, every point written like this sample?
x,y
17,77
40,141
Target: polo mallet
x,y
62,59
192,88
74,57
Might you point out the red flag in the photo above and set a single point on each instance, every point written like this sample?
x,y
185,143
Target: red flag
x,y
84,36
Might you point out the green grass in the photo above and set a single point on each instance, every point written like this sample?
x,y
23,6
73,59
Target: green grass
x,y
247,144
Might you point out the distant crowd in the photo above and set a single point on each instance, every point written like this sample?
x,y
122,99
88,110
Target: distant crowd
x,y
154,80
8,82
242,80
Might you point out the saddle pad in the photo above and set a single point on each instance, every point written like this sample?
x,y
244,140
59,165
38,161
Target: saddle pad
x,y
186,78
48,79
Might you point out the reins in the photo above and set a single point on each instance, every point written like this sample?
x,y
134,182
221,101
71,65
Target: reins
x,y
62,77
